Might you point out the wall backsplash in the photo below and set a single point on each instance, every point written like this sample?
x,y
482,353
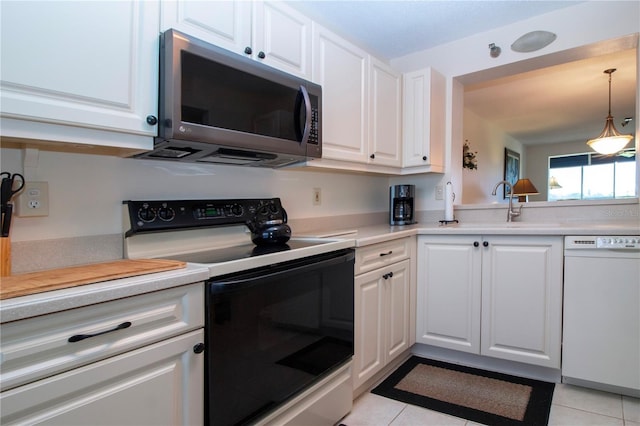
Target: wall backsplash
x,y
29,256
86,191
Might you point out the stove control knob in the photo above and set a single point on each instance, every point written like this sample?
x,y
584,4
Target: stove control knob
x,y
273,208
146,213
263,209
237,210
166,213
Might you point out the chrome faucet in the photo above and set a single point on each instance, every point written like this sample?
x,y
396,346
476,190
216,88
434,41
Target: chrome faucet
x,y
511,213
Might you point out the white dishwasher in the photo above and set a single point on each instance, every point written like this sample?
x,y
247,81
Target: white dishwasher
x,y
601,324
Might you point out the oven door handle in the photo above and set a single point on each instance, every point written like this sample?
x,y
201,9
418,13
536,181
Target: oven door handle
x,y
242,280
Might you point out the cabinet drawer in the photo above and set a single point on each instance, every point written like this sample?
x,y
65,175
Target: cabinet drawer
x,y
382,254
160,384
41,346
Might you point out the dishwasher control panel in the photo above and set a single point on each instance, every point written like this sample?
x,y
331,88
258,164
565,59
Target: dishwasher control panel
x,y
603,242
618,242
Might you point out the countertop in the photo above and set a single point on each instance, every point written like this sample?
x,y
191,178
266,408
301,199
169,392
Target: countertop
x,y
59,300
53,301
375,234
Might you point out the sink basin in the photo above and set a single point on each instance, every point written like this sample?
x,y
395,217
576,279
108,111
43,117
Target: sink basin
x,y
495,225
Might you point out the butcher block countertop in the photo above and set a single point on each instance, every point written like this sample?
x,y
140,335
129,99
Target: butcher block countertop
x,y
56,279
73,287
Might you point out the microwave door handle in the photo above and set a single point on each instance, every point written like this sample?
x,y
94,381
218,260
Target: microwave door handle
x,y
303,96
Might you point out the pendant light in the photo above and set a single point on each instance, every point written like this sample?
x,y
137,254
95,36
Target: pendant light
x,y
610,140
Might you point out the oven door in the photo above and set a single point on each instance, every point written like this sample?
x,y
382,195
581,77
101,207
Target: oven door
x,y
272,332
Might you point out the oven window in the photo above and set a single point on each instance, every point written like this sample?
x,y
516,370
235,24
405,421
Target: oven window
x,y
273,335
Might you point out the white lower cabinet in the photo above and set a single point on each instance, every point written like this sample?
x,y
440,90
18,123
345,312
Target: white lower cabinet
x,y
160,384
133,361
499,296
382,313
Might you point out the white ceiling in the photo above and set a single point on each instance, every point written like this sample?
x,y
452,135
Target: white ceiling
x,y
393,28
562,103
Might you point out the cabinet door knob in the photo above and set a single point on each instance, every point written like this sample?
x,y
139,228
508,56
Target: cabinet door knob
x,y
485,243
261,55
152,120
198,348
248,50
476,244
372,156
424,158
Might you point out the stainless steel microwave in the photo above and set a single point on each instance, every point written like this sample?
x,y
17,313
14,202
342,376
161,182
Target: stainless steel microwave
x,y
220,107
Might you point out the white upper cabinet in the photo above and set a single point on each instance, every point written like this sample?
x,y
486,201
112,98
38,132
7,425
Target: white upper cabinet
x,y
224,23
284,36
342,70
385,141
362,105
424,99
270,32
80,72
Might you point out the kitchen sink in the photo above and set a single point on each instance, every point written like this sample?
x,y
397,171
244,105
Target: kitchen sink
x,y
494,225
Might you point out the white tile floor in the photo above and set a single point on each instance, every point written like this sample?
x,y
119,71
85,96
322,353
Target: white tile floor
x,y
572,406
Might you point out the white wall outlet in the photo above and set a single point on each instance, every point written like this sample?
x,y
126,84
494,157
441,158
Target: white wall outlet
x,y
317,196
33,200
439,192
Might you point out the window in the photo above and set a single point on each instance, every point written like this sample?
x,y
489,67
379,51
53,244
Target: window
x,y
592,176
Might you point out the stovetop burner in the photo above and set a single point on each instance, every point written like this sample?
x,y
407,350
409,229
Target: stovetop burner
x,y
244,251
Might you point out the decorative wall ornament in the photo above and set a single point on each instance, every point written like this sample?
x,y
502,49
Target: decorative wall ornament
x,y
511,168
469,160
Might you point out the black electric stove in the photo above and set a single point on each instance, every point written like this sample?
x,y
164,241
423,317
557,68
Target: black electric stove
x,y
243,251
213,233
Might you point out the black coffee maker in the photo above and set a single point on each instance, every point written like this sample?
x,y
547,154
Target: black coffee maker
x,y
401,204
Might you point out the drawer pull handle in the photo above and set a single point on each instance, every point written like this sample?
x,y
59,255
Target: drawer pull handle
x,y
387,253
78,337
387,276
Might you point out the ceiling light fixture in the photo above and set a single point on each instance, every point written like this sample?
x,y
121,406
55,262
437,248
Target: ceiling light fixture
x,y
494,51
535,40
610,141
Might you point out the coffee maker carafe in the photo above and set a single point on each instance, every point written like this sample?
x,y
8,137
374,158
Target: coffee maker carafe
x,y
401,204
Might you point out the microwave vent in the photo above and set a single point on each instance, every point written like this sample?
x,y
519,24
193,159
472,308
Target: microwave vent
x,y
175,152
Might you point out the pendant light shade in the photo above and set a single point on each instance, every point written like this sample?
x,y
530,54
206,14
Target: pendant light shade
x,y
610,141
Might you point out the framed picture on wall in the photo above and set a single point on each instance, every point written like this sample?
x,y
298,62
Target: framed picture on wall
x,y
511,168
